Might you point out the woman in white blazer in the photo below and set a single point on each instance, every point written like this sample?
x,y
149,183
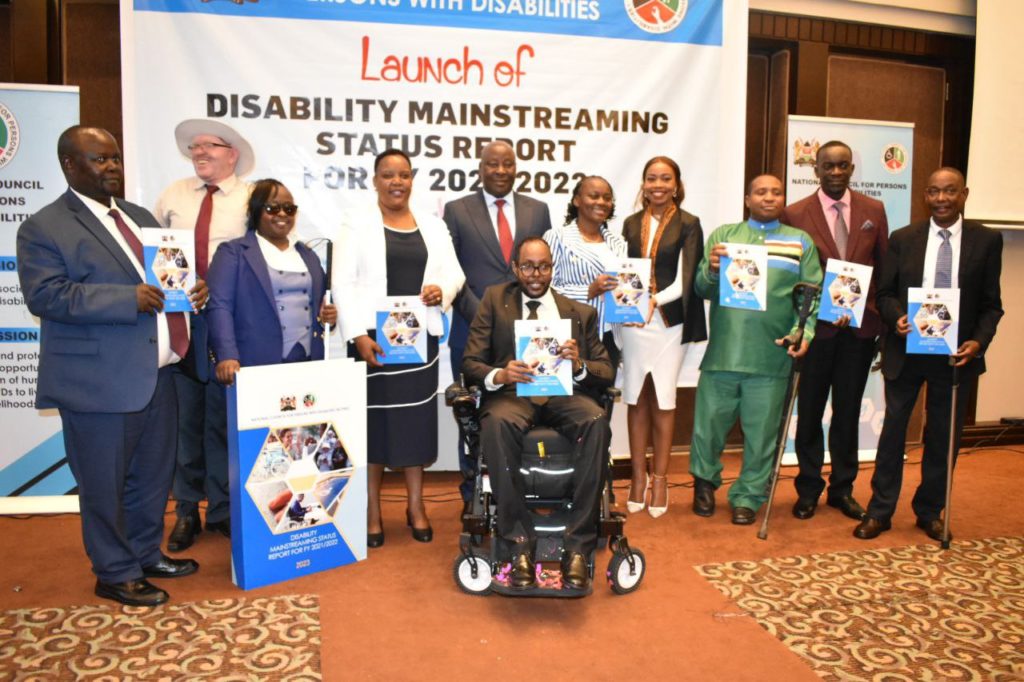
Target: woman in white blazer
x,y
388,251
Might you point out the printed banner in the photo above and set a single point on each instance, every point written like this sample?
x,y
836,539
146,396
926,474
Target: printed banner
x,y
630,299
169,255
845,291
934,317
402,330
537,343
297,468
34,474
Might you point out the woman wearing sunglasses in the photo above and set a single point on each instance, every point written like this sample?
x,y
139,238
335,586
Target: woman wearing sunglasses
x,y
269,302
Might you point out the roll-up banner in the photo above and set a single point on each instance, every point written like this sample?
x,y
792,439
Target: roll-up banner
x,y
883,154
34,474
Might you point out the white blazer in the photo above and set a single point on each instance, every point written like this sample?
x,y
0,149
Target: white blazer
x,y
360,275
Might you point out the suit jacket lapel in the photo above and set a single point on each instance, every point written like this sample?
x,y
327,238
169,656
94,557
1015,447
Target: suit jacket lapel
x,y
966,249
857,220
92,224
481,220
820,222
920,248
258,264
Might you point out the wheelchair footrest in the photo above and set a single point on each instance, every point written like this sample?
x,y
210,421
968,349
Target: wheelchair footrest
x,y
549,584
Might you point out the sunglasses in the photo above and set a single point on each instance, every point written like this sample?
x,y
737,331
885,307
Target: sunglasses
x,y
272,209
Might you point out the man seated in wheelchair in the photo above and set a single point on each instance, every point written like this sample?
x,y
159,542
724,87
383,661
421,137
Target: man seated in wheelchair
x,y
490,362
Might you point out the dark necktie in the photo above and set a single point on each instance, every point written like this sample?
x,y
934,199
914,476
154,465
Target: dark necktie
x,y
533,305
842,231
504,232
203,231
176,325
944,262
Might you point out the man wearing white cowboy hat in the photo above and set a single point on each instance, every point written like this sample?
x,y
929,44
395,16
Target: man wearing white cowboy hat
x,y
213,203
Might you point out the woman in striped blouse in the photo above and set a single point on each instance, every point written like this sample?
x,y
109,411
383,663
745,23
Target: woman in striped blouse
x,y
583,248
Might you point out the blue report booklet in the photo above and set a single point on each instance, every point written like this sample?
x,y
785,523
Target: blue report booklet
x,y
402,330
743,277
537,343
630,299
846,291
169,261
934,316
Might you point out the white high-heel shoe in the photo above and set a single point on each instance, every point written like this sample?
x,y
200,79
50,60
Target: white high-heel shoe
x,y
634,507
655,512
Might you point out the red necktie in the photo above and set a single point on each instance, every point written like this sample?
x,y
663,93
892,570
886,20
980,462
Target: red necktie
x,y
504,232
203,231
176,324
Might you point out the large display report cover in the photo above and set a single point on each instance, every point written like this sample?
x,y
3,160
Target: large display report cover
x,y
297,467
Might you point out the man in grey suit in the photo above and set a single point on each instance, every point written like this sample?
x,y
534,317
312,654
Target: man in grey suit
x,y
486,233
105,361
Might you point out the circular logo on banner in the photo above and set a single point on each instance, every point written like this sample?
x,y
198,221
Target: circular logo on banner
x,y
10,137
656,16
894,158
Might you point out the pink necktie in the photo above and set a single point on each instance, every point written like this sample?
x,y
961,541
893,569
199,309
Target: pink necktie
x,y
504,232
175,321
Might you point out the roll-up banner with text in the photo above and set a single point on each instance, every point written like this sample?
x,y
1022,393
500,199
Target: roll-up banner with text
x,y
34,474
883,153
578,86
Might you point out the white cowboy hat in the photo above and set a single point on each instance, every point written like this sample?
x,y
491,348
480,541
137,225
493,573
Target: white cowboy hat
x,y
185,131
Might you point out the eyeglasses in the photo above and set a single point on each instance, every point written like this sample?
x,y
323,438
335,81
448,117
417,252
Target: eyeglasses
x,y
206,146
273,209
935,192
529,268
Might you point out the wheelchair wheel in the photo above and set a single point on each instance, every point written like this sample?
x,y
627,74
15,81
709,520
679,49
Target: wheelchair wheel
x,y
463,573
622,579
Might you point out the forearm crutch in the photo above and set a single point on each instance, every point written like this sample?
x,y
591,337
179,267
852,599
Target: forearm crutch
x,y
804,295
951,450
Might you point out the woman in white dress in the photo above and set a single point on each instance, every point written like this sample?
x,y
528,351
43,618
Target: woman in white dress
x,y
653,353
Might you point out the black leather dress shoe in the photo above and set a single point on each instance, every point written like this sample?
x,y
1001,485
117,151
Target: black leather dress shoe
x,y
419,534
223,527
132,593
703,497
742,516
523,573
804,508
870,528
374,540
574,571
933,529
170,568
186,528
849,506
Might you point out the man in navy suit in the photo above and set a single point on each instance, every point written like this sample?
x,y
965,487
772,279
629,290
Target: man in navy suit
x,y
105,362
945,251
487,227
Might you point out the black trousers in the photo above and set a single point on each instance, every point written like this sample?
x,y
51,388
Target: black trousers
x,y
900,396
504,420
839,364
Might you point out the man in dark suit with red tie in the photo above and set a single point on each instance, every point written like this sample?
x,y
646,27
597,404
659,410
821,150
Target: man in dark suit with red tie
x,y
849,226
945,251
105,361
490,361
487,226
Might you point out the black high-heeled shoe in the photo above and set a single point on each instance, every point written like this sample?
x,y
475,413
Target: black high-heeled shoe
x,y
419,534
374,540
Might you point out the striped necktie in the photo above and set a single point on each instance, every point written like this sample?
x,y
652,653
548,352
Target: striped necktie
x,y
944,262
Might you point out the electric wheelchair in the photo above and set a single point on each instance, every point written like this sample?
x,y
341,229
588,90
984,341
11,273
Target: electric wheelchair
x,y
482,565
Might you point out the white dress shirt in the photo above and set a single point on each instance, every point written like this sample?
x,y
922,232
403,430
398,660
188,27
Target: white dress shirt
x,y
827,207
178,208
165,356
288,260
509,209
931,254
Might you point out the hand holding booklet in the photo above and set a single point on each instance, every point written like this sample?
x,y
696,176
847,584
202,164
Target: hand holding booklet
x,y
537,343
402,330
934,316
846,286
743,277
169,260
629,300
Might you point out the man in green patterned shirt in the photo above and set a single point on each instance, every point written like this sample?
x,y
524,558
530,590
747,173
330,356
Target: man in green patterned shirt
x,y
746,366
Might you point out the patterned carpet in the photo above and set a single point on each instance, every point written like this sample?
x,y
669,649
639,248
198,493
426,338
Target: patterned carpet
x,y
229,639
907,613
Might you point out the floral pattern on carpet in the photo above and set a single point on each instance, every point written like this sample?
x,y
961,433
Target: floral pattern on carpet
x,y
906,613
275,638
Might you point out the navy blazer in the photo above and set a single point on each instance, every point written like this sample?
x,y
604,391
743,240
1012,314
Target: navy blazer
x,y
97,352
242,314
981,305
